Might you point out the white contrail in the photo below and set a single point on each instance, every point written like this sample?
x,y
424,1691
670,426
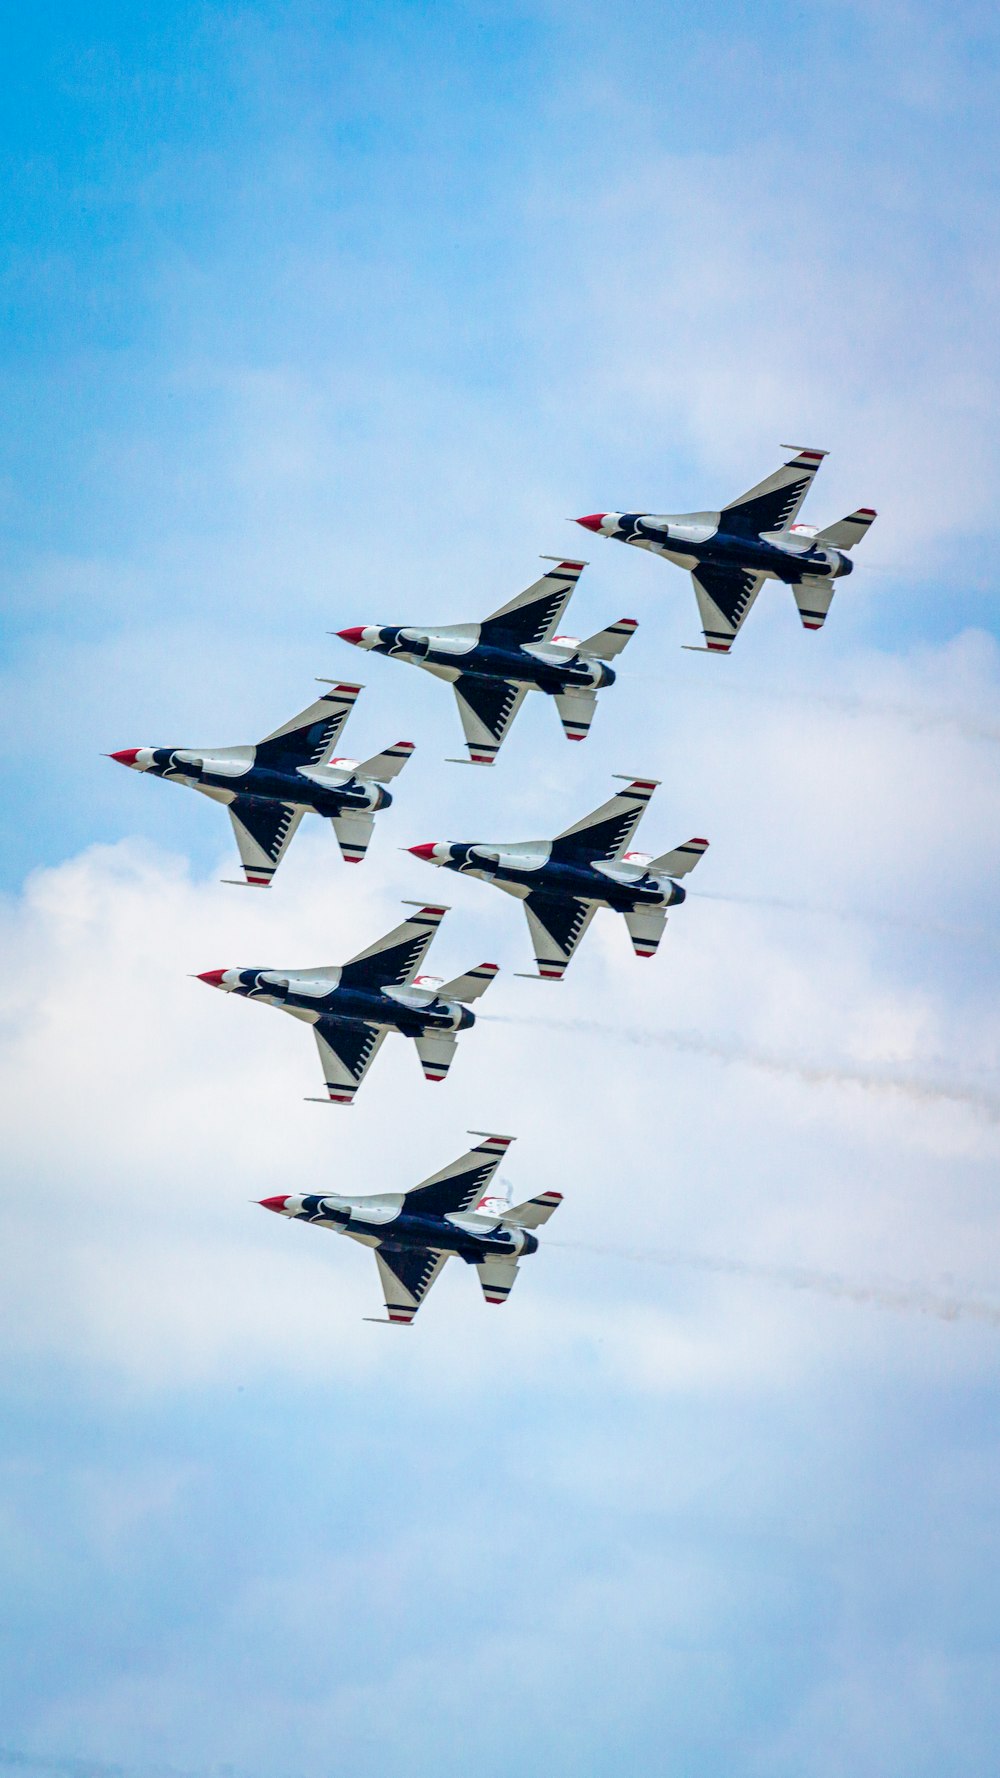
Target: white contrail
x,y
908,1299
977,935
925,1089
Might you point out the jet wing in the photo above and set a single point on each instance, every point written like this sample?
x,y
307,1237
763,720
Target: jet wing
x,y
724,597
263,830
346,1053
309,738
556,924
460,1186
487,708
534,615
407,1275
576,712
605,834
393,961
774,503
354,831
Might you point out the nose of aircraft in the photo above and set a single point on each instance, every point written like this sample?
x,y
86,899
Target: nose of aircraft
x,y
592,522
213,977
277,1204
127,756
354,634
427,851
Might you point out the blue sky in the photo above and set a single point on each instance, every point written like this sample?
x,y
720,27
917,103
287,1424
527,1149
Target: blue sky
x,y
315,315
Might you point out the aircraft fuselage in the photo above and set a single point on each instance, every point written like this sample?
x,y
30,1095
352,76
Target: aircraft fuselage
x,y
547,666
411,1011
620,886
326,790
473,1238
688,541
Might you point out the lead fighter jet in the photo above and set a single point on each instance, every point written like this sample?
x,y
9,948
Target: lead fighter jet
x,y
492,665
563,882
731,553
268,788
413,1233
353,1008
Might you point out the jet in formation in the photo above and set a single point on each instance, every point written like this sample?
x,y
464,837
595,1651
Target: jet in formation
x,y
414,1233
562,882
492,665
353,1007
268,788
731,553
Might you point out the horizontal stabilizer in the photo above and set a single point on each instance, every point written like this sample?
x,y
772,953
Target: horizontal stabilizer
x,y
470,986
681,860
384,766
353,831
847,532
436,1050
535,1211
497,1278
607,643
576,712
645,929
814,598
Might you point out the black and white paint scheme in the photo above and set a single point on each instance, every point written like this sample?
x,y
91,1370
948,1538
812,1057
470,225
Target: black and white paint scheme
x,y
562,882
414,1233
492,665
731,553
268,788
353,1007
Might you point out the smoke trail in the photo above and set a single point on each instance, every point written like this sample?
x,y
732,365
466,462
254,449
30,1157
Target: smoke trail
x,y
907,1299
924,1090
977,935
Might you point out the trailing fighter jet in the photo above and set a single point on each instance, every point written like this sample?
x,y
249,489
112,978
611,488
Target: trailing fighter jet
x,y
353,1008
731,553
268,788
413,1233
563,882
493,664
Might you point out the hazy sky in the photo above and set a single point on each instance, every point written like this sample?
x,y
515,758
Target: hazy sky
x,y
318,315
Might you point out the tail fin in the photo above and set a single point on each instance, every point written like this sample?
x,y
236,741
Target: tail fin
x,y
383,766
535,1211
681,860
607,643
470,986
848,532
814,598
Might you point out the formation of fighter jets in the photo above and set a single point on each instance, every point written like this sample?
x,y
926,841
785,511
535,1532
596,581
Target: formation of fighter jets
x,y
491,665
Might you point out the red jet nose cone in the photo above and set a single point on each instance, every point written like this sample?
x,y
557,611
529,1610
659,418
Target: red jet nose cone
x,y
272,1203
352,635
213,977
426,851
592,522
127,756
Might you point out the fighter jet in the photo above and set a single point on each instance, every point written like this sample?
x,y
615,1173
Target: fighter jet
x,y
492,665
731,553
353,1008
563,882
413,1233
268,788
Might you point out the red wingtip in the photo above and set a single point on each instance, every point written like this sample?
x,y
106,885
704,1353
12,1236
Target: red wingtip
x,y
213,977
127,756
272,1203
426,851
354,634
592,522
